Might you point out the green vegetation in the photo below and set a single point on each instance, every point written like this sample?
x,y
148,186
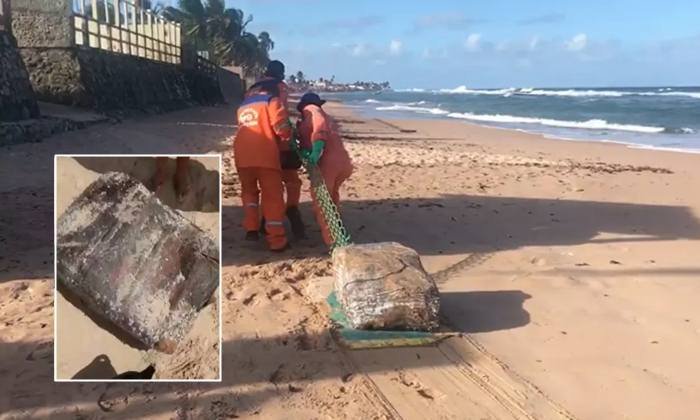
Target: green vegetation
x,y
221,32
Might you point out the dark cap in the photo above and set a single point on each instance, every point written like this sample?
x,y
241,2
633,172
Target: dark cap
x,y
309,98
275,69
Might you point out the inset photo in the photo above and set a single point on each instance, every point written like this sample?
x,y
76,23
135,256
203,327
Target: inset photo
x,y
138,264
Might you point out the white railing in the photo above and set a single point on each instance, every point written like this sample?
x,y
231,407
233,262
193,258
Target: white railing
x,y
123,27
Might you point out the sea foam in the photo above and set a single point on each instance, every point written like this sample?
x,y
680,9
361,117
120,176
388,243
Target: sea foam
x,y
572,93
417,109
594,124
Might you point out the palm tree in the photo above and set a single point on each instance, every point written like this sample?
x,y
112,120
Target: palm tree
x,y
222,32
191,14
266,43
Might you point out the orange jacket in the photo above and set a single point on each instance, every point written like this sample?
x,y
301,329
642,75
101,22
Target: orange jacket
x,y
263,131
282,88
315,125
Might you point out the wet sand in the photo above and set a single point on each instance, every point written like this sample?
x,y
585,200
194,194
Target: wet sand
x,y
568,268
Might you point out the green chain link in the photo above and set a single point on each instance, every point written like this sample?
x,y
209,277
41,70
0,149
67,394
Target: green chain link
x,y
330,212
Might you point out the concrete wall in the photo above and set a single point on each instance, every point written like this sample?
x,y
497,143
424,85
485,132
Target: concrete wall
x,y
231,86
17,101
247,80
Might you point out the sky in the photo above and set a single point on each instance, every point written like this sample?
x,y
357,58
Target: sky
x,y
486,43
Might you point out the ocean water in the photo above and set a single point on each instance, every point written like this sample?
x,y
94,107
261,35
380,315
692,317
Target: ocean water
x,y
660,117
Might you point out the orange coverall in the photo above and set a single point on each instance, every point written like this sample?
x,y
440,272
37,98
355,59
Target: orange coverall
x,y
290,177
335,164
263,131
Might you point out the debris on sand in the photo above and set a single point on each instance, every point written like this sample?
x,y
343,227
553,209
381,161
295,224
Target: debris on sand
x,y
135,261
384,286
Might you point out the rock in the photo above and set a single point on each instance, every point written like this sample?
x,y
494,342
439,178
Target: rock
x,y
384,286
135,262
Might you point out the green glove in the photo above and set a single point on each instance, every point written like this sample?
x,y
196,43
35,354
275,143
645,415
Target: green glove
x,y
316,152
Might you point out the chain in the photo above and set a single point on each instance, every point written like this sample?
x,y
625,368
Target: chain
x,y
330,212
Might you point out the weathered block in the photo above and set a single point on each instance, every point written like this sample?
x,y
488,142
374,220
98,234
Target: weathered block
x,y
384,286
134,261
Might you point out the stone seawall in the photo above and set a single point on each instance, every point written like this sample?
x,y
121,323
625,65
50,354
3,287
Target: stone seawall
x,y
17,99
42,23
204,87
106,81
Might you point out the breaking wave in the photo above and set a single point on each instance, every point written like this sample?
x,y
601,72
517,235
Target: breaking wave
x,y
567,92
417,109
465,90
595,124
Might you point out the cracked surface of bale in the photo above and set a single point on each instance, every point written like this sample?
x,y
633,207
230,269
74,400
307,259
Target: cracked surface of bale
x,y
384,286
134,261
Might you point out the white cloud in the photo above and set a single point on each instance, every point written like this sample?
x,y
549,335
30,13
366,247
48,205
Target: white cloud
x,y
473,42
577,43
358,50
395,47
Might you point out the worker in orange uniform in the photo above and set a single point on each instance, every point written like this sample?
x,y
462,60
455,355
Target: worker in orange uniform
x,y
263,131
321,145
273,82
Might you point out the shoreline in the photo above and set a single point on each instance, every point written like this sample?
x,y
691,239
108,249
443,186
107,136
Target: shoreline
x,y
352,110
404,111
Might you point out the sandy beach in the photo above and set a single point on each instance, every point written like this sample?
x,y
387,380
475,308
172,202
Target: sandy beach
x,y
567,271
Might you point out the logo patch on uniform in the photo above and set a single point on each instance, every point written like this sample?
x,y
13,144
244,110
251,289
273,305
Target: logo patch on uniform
x,y
248,118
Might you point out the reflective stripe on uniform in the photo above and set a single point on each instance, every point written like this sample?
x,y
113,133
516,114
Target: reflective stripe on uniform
x,y
251,205
255,99
274,223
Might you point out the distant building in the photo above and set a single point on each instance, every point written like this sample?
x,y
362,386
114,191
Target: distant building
x,y
298,84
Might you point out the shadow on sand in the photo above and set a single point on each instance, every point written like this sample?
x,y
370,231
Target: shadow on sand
x,y
450,225
100,368
467,224
269,363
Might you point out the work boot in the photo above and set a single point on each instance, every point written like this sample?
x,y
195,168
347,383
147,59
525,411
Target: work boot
x,y
294,216
252,235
